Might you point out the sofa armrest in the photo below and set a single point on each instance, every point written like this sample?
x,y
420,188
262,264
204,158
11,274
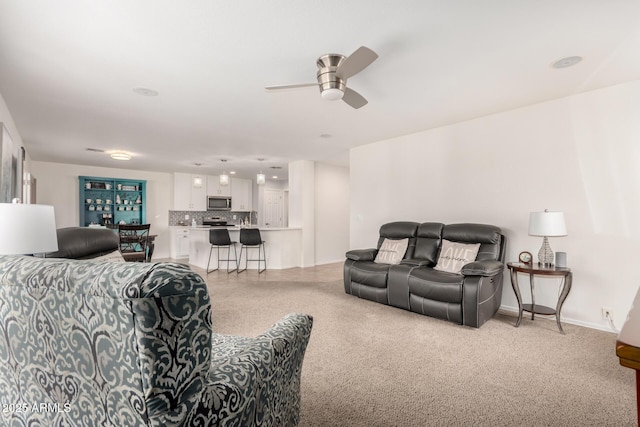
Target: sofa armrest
x,y
415,262
362,254
253,378
482,268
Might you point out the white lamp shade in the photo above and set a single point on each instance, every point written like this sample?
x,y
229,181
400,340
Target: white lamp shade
x,y
261,179
224,179
549,224
27,229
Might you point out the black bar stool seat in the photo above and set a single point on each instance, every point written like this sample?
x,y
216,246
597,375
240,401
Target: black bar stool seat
x,y
219,238
251,238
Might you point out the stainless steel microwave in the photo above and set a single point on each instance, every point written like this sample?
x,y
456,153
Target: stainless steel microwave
x,y
218,203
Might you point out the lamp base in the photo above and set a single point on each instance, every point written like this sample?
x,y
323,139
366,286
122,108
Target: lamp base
x,y
545,254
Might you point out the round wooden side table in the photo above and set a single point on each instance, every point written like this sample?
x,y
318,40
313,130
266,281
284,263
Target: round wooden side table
x,y
536,269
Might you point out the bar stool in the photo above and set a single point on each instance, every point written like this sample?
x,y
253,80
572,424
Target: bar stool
x,y
219,238
250,238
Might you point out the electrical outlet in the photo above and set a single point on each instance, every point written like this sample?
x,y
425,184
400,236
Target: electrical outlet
x,y
607,313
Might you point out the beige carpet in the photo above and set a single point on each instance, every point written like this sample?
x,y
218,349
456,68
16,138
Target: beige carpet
x,y
373,365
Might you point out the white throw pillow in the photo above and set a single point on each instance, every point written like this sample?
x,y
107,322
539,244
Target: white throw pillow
x,y
114,256
392,251
453,255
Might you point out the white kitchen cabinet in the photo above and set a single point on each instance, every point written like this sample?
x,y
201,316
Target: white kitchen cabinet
x,y
215,189
187,196
241,195
179,243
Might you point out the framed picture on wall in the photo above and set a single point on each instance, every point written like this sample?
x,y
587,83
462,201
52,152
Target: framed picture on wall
x,y
10,168
6,172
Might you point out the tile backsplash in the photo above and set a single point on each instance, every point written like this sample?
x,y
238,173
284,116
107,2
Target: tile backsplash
x,y
177,217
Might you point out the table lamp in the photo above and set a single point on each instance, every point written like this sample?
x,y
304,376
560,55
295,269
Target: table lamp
x,y
27,229
546,224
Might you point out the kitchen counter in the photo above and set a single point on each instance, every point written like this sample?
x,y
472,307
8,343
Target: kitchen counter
x,y
282,246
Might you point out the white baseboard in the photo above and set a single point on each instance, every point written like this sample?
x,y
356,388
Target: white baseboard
x,y
513,311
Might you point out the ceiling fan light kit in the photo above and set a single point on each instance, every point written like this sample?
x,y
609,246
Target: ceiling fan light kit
x,y
331,94
333,72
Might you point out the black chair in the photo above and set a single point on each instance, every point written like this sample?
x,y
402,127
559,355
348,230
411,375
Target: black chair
x,y
250,238
134,241
219,238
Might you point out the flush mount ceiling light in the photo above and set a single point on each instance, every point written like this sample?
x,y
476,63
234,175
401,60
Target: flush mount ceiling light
x,y
120,155
145,91
567,62
224,178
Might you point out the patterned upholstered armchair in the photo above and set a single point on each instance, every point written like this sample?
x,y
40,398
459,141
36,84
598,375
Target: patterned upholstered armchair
x,y
121,344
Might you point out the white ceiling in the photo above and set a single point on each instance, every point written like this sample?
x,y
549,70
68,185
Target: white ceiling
x,y
68,69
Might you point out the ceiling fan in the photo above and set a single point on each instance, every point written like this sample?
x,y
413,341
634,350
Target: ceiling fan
x,y
333,72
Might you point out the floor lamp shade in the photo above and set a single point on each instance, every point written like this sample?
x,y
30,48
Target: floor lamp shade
x,y
27,229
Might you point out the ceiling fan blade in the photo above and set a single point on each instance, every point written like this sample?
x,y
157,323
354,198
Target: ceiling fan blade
x,y
353,98
356,62
281,87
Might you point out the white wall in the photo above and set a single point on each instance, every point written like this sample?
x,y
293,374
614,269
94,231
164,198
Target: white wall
x,y
579,155
57,185
332,213
302,206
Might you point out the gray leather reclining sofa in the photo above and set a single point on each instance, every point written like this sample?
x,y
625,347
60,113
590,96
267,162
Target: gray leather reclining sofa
x,y
84,242
470,298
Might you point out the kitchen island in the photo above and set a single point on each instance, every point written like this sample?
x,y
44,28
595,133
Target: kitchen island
x,y
282,246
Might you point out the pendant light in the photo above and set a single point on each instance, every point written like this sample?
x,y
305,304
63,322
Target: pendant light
x,y
224,178
260,177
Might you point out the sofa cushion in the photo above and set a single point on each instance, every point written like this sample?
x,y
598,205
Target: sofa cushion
x,y
400,230
392,251
370,274
453,256
489,236
436,285
428,242
114,256
84,242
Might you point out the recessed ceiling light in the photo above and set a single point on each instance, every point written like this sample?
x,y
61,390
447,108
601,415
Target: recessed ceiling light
x,y
276,167
95,150
569,61
275,177
326,135
232,172
119,155
145,91
197,164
